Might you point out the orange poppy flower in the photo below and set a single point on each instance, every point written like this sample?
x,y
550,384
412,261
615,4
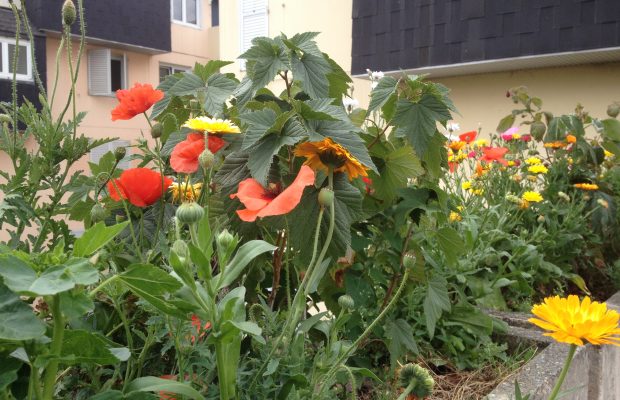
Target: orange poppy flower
x,y
571,139
163,395
491,154
184,157
261,202
135,101
201,330
555,145
468,137
140,186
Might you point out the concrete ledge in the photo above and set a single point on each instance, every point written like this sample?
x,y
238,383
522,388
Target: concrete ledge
x,y
593,374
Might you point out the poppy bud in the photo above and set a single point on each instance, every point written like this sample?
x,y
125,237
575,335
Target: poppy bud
x,y
613,110
97,213
540,219
119,153
120,218
157,130
68,12
4,118
326,197
346,302
189,213
537,130
409,260
225,239
206,159
421,379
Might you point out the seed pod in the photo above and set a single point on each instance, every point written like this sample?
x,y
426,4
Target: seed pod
x,y
613,110
346,302
157,130
326,197
225,239
119,153
409,260
97,213
189,213
68,13
206,159
422,380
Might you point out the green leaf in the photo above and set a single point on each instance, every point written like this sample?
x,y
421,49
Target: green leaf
x,y
65,277
153,384
264,59
311,71
219,89
246,253
450,243
152,283
258,124
398,167
17,274
96,237
339,80
506,123
18,320
187,85
611,129
8,371
248,327
418,121
204,71
436,301
83,347
75,304
400,339
382,93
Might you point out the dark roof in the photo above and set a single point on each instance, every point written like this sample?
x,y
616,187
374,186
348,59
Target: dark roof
x,y
405,34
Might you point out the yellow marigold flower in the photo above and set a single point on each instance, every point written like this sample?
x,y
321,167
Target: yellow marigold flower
x,y
570,321
327,154
532,197
586,186
531,178
478,192
537,169
211,125
608,154
571,139
555,145
516,136
481,143
455,217
533,161
185,191
466,185
511,163
457,145
460,156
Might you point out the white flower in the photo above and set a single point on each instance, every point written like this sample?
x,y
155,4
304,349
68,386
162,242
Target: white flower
x,y
350,103
375,77
453,127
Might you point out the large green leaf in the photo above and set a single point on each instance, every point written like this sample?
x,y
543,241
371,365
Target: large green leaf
x,y
18,320
96,237
451,243
339,80
246,253
258,124
611,129
152,284
398,166
83,347
204,71
400,339
382,93
311,71
16,273
436,301
264,59
8,371
153,384
189,84
219,89
417,121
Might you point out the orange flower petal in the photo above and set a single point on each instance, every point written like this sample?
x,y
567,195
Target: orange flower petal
x,y
140,186
286,201
184,157
468,137
136,100
252,194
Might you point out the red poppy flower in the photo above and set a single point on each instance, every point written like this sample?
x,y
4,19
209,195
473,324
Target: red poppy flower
x,y
452,166
368,183
184,157
468,137
140,186
135,101
491,154
260,202
201,330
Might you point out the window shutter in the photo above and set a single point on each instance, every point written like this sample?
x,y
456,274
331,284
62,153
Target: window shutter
x,y
99,74
254,23
100,151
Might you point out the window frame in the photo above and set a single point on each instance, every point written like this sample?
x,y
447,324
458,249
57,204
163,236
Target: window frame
x,y
123,61
7,59
183,21
173,67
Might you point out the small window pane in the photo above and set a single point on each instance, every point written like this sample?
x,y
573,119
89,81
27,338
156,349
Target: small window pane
x,y
116,69
22,60
191,12
177,10
163,73
1,64
215,13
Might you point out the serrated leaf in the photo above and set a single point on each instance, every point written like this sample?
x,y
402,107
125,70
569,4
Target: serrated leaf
x,y
219,89
400,339
436,301
233,170
311,71
204,71
96,237
258,123
187,85
382,93
397,168
18,319
418,121
450,243
157,385
339,80
264,59
83,347
152,284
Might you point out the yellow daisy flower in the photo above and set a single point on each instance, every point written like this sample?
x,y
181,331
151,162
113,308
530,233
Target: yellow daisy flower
x,y
608,154
466,185
481,143
455,217
537,169
586,186
532,197
211,125
327,154
570,321
185,191
533,161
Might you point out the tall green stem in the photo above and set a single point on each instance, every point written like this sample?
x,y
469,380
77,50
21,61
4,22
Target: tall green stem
x,y
58,334
405,393
343,357
567,363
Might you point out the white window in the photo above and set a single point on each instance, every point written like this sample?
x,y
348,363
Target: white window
x,y
185,11
166,69
100,151
107,72
254,23
24,61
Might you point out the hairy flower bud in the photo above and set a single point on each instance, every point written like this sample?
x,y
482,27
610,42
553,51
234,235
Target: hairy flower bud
x,y
4,118
613,110
409,260
225,239
326,197
346,302
119,153
417,379
189,213
206,159
564,196
68,12
97,213
157,130
540,219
